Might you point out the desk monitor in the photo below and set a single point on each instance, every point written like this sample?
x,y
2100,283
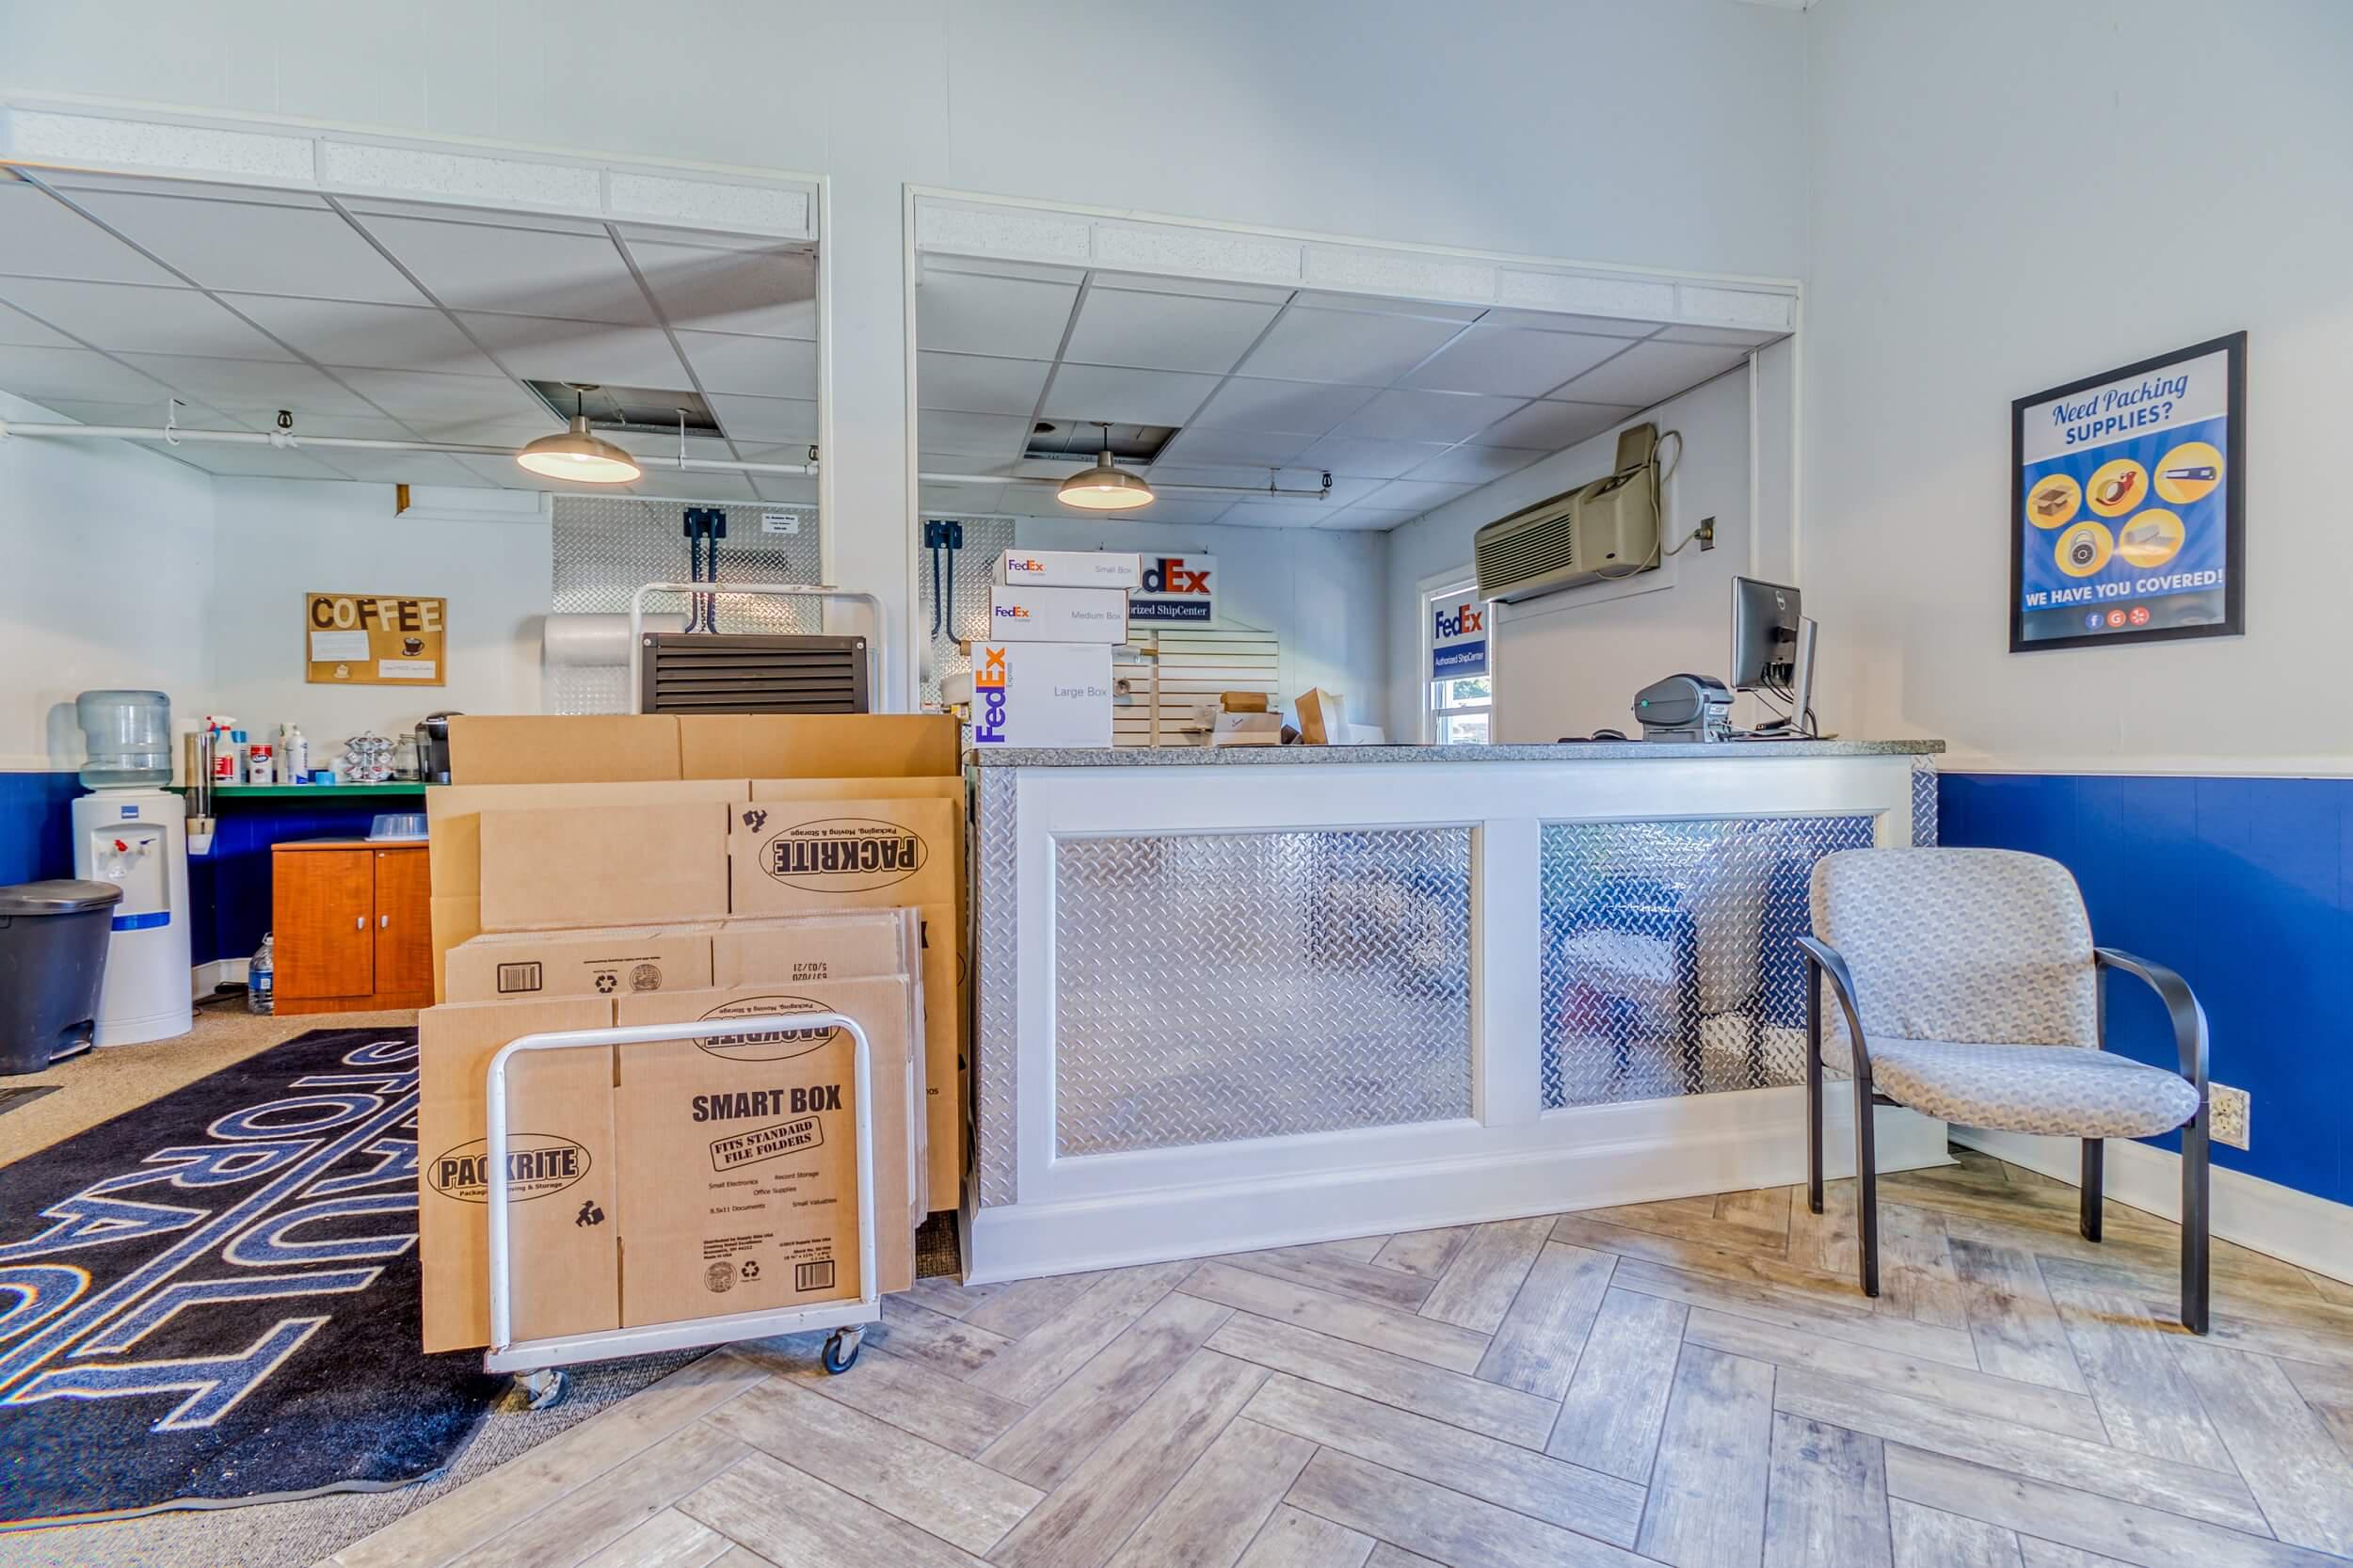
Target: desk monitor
x,y
1764,618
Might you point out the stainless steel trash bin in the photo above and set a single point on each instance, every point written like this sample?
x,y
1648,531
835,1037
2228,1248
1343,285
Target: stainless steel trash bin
x,y
53,954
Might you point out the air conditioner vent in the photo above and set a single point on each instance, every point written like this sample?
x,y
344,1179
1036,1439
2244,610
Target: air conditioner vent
x,y
1609,528
703,672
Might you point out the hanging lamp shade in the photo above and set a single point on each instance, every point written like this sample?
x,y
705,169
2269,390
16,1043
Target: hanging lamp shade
x,y
579,455
1105,488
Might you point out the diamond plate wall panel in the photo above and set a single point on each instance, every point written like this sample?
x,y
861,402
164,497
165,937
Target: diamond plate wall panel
x,y
984,540
1670,963
997,1029
1923,804
1210,987
607,546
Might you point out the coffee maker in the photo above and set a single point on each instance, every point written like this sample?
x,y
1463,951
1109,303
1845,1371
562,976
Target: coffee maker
x,y
433,748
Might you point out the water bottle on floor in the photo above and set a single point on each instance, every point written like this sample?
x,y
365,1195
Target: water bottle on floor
x,y
261,978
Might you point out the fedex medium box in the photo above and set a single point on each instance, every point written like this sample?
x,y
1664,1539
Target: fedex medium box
x,y
1041,694
1026,615
1070,569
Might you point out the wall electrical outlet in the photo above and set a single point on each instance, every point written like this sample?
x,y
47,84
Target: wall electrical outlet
x,y
2231,1111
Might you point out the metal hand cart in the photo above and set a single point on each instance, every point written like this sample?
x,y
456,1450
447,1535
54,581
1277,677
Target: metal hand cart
x,y
539,1362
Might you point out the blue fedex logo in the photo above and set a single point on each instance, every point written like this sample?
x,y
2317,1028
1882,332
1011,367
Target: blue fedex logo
x,y
988,696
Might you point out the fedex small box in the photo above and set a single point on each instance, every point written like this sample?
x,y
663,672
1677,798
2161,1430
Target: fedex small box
x,y
1070,569
1024,614
1041,694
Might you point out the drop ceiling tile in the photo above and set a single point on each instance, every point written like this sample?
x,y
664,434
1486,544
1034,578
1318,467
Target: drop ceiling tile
x,y
1546,321
395,468
548,348
147,415
1553,427
647,445
1183,511
388,337
1368,460
748,421
1345,491
473,266
131,318
1346,345
420,399
975,384
1731,336
997,436
1367,519
23,331
248,462
499,474
43,237
257,248
1200,288
1650,373
757,367
237,385
931,263
1429,416
1476,465
453,212
1233,446
1125,396
1227,476
1416,495
961,499
506,434
696,484
1378,305
373,428
767,293
785,488
1302,407
40,374
215,190
1165,331
1508,363
1013,319
968,462
1283,514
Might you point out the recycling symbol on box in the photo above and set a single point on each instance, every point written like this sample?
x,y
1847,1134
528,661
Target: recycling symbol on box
x,y
608,982
751,1268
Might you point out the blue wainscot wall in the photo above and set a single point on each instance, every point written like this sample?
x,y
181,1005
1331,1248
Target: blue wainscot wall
x,y
2243,884
35,826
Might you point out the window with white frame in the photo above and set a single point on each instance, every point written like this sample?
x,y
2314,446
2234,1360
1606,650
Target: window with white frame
x,y
1459,665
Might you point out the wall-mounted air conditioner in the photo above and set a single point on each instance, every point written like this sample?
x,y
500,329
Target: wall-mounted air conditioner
x,y
1609,528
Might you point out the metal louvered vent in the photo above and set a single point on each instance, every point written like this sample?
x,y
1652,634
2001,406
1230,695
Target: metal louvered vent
x,y
1526,548
703,672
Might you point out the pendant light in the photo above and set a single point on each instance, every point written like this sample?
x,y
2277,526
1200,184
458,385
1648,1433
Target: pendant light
x,y
577,455
1105,488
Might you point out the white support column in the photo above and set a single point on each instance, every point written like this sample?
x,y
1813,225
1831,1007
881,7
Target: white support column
x,y
1505,960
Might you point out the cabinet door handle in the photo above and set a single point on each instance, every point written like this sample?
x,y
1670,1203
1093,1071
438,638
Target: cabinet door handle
x,y
383,923
359,922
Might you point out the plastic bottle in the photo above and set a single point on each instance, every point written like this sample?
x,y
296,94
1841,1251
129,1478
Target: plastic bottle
x,y
261,763
260,976
237,749
294,755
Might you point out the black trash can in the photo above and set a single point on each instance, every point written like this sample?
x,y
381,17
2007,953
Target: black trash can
x,y
53,954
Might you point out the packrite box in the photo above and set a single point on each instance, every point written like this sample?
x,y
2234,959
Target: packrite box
x,y
603,865
610,961
682,1216
1041,694
1028,615
810,856
564,1230
1070,569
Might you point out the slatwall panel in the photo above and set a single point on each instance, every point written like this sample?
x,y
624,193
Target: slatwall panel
x,y
1178,671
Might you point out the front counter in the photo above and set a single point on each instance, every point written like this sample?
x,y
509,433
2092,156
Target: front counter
x,y
1239,999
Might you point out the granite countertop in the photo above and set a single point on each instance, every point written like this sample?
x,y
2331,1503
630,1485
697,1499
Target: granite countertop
x,y
1586,751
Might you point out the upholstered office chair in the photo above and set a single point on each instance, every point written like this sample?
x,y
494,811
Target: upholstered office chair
x,y
1969,989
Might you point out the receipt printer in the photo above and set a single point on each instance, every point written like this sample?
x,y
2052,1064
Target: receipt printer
x,y
1684,708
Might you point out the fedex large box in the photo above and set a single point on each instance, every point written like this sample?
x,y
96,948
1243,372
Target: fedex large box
x,y
1041,694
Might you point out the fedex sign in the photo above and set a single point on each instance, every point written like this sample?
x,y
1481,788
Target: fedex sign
x,y
1458,640
1180,589
988,695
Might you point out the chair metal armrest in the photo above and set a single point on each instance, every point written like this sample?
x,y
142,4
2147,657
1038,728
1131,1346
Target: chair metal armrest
x,y
2181,1005
1825,958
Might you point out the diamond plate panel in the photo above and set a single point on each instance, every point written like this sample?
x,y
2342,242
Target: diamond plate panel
x,y
984,540
1923,804
1670,963
606,546
997,1031
1210,987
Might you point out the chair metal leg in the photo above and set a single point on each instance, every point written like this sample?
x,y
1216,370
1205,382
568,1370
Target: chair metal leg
x,y
1813,1087
1866,1186
2095,1165
2193,1282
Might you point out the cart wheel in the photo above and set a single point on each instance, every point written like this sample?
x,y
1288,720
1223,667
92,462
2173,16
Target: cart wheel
x,y
842,1348
543,1389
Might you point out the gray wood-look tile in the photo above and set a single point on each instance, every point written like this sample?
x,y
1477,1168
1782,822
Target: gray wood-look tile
x,y
2146,1403
1013,1310
1537,1345
2286,1452
2012,1319
1295,1540
1610,1415
1478,1286
790,1517
1833,1317
1425,1253
1342,1317
910,1395
1827,1500
1916,1273
1209,1518
667,1540
589,1518
1443,1526
1931,1538
1454,1397
1708,1487
1061,1346
950,1345
1045,1445
1329,1272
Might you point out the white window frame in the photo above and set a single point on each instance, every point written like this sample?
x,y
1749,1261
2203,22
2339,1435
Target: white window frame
x,y
1450,585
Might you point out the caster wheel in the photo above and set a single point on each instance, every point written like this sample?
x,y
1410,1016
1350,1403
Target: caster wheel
x,y
842,1348
543,1389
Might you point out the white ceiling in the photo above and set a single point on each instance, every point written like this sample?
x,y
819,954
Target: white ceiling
x,y
394,321
1407,404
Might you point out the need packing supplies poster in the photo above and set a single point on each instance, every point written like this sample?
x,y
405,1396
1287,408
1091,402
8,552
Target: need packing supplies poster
x,y
2126,519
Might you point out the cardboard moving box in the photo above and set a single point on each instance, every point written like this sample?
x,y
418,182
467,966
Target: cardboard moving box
x,y
863,746
563,1231
603,866
662,1267
536,748
791,949
606,962
798,857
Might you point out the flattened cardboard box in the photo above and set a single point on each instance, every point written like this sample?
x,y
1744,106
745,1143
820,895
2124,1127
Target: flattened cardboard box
x,y
536,748
664,1273
564,1234
603,865
609,960
946,1005
796,949
866,747
792,857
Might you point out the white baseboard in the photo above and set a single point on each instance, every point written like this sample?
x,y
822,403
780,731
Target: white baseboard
x,y
1765,1148
210,976
2312,1233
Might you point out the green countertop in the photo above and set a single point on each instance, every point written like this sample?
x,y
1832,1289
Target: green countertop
x,y
411,788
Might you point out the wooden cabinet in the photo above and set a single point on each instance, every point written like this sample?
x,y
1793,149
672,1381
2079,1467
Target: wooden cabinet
x,y
354,926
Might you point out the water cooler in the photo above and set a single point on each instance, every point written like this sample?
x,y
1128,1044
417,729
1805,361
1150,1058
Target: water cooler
x,y
132,832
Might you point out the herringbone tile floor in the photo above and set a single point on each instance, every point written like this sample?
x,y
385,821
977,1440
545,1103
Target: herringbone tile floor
x,y
1696,1381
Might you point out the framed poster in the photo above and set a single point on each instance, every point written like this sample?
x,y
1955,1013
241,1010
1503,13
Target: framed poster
x,y
2128,504
1179,590
374,640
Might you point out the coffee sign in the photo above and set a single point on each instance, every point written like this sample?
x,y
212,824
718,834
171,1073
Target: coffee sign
x,y
374,640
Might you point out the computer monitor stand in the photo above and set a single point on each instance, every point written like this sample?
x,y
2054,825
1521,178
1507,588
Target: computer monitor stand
x,y
1798,726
